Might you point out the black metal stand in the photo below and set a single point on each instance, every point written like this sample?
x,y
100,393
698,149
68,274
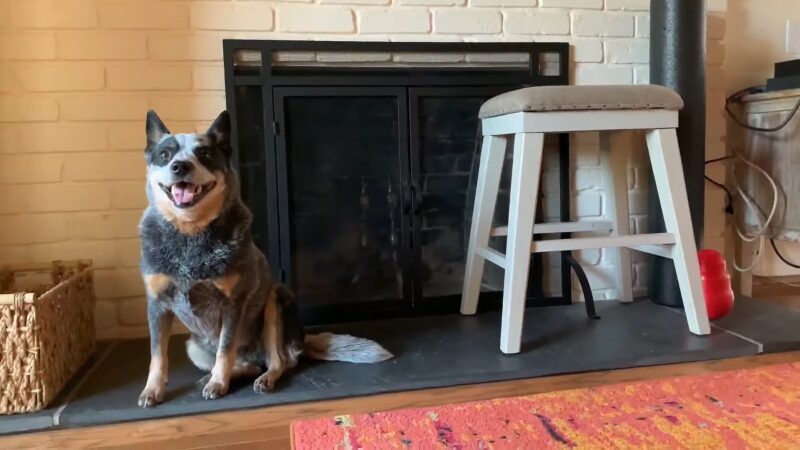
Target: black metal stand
x,y
677,60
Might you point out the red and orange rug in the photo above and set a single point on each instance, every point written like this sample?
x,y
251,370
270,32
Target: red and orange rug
x,y
757,408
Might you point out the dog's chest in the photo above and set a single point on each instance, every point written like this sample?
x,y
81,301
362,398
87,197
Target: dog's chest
x,y
189,258
200,307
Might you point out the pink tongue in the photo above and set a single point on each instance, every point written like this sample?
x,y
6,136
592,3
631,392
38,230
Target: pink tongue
x,y
183,194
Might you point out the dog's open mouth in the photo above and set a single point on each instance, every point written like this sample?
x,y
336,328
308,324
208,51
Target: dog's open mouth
x,y
186,195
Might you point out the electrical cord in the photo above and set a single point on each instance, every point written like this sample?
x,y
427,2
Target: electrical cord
x,y
762,227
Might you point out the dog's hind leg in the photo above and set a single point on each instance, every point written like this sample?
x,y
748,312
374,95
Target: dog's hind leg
x,y
273,345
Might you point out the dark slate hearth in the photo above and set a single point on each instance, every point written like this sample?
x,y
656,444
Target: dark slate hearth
x,y
775,327
431,352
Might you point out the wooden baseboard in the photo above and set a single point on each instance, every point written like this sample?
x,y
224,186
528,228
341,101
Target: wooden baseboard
x,y
268,428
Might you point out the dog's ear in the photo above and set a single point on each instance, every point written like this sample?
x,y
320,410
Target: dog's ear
x,y
220,132
155,128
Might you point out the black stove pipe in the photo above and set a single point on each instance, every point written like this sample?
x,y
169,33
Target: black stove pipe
x,y
677,60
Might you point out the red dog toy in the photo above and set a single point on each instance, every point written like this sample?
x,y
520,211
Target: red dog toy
x,y
716,284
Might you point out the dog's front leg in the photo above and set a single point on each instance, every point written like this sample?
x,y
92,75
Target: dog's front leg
x,y
159,319
219,381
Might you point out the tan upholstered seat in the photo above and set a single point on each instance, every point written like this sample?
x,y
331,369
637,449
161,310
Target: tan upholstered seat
x,y
581,98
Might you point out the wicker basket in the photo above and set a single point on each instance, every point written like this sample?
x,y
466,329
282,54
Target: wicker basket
x,y
46,331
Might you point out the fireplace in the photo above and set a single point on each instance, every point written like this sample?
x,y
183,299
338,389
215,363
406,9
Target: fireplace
x,y
358,160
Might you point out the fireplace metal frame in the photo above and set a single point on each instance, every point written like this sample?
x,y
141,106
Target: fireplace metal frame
x,y
276,81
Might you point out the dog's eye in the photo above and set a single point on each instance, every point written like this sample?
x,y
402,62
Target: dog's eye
x,y
164,155
205,153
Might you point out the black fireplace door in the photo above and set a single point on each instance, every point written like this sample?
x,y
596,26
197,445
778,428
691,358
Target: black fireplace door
x,y
342,165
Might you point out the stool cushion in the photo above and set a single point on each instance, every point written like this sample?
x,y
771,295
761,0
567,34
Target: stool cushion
x,y
581,98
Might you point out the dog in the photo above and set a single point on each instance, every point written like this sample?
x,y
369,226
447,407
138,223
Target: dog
x,y
199,263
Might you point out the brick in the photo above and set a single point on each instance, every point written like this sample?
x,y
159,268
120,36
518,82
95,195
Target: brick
x,y
628,51
501,3
429,58
18,108
467,22
218,15
205,47
148,77
118,283
14,253
641,75
61,137
55,197
355,2
106,107
60,76
197,107
105,254
143,15
30,169
588,51
208,78
592,23
101,45
604,75
643,26
127,135
587,205
104,166
27,46
715,27
715,52
628,5
10,136
585,179
315,19
32,229
717,6
430,2
586,155
53,14
539,22
105,317
394,21
132,311
128,194
577,4
103,225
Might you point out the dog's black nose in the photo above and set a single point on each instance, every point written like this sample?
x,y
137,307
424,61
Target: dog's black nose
x,y
181,168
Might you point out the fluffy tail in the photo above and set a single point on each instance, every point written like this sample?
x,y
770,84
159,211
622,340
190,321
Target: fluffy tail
x,y
343,347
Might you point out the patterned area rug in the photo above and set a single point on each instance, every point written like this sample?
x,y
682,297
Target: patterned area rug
x,y
757,408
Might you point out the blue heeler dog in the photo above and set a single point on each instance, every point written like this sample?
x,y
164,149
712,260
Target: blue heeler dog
x,y
199,263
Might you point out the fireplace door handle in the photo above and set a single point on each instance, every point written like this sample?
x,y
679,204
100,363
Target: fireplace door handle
x,y
416,194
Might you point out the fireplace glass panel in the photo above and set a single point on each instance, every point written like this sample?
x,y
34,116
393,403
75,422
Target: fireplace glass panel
x,y
344,198
448,155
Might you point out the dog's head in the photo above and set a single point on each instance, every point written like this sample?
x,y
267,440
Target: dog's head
x,y
187,174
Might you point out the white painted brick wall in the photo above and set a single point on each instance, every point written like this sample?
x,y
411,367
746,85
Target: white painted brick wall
x,y
76,77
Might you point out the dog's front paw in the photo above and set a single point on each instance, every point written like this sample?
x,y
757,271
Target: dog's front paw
x,y
265,383
151,396
214,390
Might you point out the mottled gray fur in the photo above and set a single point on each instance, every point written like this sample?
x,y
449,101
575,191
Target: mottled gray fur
x,y
213,278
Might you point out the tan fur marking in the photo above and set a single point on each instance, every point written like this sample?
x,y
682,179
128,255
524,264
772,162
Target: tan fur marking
x,y
223,367
194,220
274,342
156,283
227,284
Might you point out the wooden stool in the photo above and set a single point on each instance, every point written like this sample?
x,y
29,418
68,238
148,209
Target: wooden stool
x,y
527,114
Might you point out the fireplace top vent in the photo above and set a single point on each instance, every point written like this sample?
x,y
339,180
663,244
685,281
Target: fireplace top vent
x,y
546,61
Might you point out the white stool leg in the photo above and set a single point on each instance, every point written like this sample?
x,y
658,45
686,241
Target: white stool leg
x,y
614,155
489,173
525,174
668,175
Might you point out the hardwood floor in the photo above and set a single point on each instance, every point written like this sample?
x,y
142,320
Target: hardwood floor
x,y
268,428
